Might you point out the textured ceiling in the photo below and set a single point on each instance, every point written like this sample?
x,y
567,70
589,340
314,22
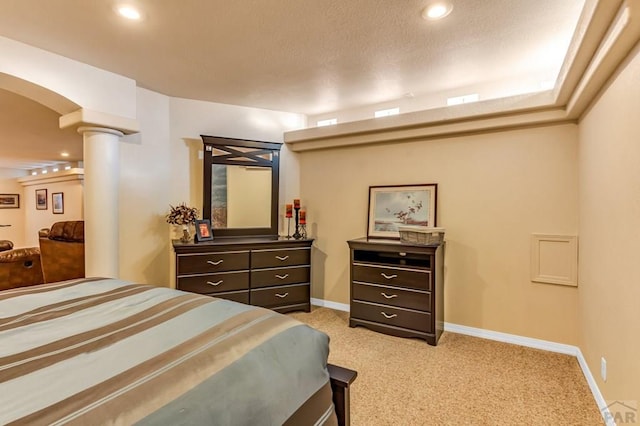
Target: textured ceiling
x,y
307,56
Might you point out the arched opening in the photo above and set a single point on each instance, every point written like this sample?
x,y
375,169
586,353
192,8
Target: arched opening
x,y
102,107
33,142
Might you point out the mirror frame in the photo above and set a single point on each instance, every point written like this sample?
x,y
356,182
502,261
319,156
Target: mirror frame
x,y
259,147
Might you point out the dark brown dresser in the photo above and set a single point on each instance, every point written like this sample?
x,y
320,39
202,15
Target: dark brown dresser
x,y
397,288
272,273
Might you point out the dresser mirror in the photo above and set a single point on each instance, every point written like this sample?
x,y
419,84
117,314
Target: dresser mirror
x,y
241,179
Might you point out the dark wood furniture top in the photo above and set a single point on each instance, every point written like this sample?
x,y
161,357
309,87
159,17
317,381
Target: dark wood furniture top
x,y
268,272
397,288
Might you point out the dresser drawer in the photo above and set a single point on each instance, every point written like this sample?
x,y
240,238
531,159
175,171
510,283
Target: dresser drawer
x,y
398,277
212,262
398,317
282,295
277,258
279,276
214,283
418,300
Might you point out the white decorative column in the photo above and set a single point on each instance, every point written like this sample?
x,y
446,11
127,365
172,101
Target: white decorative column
x,y
101,179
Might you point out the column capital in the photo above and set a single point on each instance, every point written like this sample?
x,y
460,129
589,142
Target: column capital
x,y
94,129
88,118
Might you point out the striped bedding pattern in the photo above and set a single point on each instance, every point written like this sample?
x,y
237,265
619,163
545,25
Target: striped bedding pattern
x,y
105,351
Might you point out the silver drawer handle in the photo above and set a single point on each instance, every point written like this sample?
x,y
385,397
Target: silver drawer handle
x,y
215,284
388,276
211,262
282,258
387,296
282,296
388,316
282,277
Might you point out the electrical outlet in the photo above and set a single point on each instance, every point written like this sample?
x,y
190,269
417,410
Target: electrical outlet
x,y
603,369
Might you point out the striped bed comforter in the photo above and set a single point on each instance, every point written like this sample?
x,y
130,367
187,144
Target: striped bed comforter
x,y
104,351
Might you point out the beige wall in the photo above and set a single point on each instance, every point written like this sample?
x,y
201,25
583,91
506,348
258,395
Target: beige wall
x,y
494,191
81,84
190,119
610,235
162,166
145,176
13,217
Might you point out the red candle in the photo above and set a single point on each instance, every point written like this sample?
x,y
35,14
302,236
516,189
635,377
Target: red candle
x,y
303,217
296,203
289,210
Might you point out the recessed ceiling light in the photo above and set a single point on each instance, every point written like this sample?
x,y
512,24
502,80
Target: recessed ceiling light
x,y
129,12
437,10
64,154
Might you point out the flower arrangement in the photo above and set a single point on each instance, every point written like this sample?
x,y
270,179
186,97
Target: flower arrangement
x,y
182,215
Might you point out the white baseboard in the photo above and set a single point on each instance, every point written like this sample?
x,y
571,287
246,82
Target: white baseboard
x,y
546,346
331,305
602,404
529,342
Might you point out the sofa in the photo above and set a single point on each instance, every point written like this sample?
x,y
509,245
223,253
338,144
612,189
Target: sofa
x,y
62,251
6,245
20,267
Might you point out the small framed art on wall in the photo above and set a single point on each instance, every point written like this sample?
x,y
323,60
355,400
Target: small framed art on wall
x,y
9,201
41,199
57,202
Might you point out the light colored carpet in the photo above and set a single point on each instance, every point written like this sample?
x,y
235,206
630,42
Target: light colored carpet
x,y
463,381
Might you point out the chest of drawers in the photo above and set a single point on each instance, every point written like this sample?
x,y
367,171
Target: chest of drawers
x,y
274,274
397,288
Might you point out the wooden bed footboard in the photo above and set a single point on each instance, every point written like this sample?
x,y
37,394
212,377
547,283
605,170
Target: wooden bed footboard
x,y
341,379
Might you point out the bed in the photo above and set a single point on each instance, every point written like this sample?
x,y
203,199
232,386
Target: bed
x,y
106,351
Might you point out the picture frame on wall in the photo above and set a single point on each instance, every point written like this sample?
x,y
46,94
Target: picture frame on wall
x,y
9,201
57,202
203,230
41,199
398,205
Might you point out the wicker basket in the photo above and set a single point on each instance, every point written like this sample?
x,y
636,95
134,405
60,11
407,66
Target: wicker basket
x,y
421,235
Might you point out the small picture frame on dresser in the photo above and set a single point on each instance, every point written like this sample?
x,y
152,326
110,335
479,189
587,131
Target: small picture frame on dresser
x,y
203,230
